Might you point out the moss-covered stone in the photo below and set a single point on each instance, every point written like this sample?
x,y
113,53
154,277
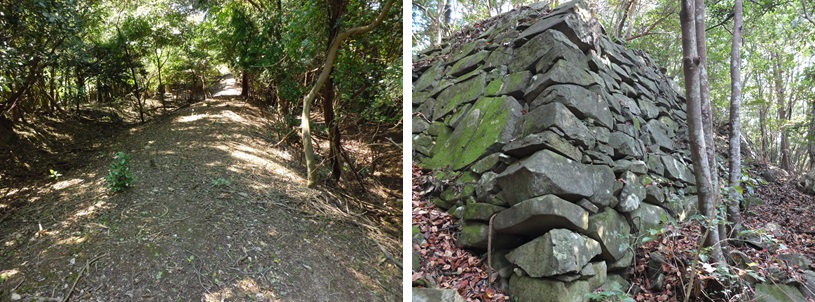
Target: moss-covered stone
x,y
429,78
451,98
498,57
423,144
476,235
484,130
494,87
469,63
485,164
480,211
438,129
466,49
453,120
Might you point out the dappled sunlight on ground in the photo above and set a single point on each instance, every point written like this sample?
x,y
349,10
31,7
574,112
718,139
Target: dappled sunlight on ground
x,y
215,214
66,183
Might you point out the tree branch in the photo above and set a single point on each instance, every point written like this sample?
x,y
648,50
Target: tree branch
x,y
330,57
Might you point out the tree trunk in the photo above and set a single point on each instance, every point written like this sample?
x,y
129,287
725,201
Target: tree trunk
x,y
707,112
811,136
333,129
335,10
160,89
784,147
702,170
733,214
245,84
133,73
330,57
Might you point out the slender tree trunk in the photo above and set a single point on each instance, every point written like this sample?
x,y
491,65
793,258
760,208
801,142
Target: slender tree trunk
x,y
330,57
336,8
762,123
333,129
160,89
81,92
702,171
52,89
245,78
811,136
784,147
133,73
707,112
733,214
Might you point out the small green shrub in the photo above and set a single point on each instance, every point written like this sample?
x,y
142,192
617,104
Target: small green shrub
x,y
120,176
220,182
54,174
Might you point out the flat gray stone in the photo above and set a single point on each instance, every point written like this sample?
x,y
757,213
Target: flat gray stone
x,y
624,146
582,102
535,142
676,170
547,172
538,215
556,115
563,72
560,251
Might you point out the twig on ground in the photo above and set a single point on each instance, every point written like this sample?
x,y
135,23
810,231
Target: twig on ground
x,y
388,255
18,284
79,276
282,140
394,143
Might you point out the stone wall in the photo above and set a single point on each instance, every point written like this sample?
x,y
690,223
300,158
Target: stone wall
x,y
572,144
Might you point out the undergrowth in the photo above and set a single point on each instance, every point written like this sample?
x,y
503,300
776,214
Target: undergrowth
x,y
120,177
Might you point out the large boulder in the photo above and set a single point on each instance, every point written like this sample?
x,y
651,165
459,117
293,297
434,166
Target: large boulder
x,y
547,172
560,251
538,215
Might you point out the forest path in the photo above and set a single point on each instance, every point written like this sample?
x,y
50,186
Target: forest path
x,y
215,214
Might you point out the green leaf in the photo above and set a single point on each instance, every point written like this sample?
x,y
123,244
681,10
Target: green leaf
x,y
159,275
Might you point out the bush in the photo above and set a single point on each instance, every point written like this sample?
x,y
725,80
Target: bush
x,y
119,177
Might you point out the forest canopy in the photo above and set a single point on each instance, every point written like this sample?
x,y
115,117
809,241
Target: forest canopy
x,y
67,54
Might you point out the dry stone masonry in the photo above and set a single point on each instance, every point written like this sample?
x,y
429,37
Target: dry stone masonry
x,y
570,143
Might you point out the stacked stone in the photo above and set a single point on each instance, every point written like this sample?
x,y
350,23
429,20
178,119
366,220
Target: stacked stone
x,y
573,143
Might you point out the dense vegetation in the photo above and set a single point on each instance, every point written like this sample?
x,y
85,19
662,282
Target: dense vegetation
x,y
66,55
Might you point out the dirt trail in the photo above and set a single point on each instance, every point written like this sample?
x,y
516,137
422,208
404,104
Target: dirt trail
x,y
213,216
